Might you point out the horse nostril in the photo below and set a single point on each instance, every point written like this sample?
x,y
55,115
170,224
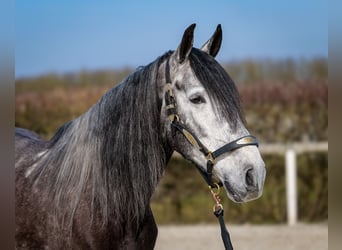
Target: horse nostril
x,y
250,180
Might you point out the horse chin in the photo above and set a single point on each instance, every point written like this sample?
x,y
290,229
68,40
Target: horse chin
x,y
240,196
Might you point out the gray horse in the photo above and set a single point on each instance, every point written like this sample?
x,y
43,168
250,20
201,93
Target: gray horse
x,y
90,186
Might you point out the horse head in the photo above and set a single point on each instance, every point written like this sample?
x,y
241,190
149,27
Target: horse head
x,y
202,104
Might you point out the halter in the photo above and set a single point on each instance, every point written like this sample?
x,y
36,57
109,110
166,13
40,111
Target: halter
x,y
211,156
177,125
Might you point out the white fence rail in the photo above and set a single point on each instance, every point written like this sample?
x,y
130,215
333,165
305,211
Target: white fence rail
x,y
308,147
290,151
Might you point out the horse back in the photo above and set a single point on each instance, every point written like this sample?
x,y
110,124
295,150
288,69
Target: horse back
x,y
28,215
27,143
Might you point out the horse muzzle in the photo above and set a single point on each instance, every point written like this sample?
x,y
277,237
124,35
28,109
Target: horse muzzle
x,y
246,187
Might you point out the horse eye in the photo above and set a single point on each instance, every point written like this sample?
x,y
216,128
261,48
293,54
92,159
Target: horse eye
x,y
197,99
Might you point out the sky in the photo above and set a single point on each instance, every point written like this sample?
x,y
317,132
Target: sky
x,y
69,36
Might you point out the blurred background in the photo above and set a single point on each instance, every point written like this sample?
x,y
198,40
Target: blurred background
x,y
68,54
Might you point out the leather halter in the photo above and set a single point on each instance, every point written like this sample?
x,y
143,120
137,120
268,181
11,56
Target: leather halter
x,y
177,125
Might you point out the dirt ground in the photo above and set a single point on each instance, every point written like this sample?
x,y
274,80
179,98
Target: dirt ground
x,y
301,236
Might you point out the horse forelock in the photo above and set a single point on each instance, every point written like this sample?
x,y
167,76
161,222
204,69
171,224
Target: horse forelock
x,y
218,84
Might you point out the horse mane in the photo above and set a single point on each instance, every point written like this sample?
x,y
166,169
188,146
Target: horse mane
x,y
116,148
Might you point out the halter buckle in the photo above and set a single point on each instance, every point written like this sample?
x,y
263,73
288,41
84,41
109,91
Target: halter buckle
x,y
168,88
210,157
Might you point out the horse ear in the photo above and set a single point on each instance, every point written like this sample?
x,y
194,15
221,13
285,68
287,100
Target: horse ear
x,y
212,46
185,46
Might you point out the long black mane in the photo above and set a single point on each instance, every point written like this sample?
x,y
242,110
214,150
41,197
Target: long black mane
x,y
116,147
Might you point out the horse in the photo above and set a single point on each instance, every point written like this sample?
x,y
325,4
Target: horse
x,y
90,185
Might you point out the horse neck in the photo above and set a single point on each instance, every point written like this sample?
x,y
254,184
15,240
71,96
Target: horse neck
x,y
116,150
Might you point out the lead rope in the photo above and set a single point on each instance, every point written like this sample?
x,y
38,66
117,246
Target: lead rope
x,y
218,212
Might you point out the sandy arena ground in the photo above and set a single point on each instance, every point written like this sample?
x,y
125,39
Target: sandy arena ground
x,y
301,236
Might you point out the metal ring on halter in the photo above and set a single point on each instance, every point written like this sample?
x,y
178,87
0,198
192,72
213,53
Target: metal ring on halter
x,y
217,187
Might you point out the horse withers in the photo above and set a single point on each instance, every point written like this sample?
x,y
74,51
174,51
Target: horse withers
x,y
90,185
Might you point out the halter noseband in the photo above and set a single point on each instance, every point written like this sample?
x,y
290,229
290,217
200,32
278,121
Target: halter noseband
x,y
177,125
